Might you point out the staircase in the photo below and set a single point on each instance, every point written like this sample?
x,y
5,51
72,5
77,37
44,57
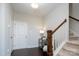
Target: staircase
x,y
71,48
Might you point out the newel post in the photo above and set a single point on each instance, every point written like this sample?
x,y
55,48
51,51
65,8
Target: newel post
x,y
49,45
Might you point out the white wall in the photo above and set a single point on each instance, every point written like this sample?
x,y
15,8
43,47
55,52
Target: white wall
x,y
74,13
56,17
8,28
1,29
33,28
5,29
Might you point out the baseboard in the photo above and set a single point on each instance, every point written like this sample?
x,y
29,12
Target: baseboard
x,y
59,48
25,47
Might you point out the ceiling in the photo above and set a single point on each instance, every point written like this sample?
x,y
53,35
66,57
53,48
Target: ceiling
x,y
42,10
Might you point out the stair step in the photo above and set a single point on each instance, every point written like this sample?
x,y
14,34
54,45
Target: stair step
x,y
72,48
74,38
76,42
74,45
64,52
71,34
58,55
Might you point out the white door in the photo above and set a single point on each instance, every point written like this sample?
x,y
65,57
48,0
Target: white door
x,y
20,35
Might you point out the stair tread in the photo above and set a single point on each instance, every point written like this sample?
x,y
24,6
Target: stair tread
x,y
74,42
64,52
73,48
73,37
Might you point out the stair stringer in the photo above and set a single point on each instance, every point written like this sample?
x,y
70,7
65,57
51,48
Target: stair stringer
x,y
60,47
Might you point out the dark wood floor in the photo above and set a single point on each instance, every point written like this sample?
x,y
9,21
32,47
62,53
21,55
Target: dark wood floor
x,y
28,52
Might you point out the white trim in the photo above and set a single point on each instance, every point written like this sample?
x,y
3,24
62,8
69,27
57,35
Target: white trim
x,y
59,48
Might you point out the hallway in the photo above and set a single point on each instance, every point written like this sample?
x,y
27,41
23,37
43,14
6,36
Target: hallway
x,y
23,26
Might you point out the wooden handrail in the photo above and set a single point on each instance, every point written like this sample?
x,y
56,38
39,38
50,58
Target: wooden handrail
x,y
73,18
49,39
59,26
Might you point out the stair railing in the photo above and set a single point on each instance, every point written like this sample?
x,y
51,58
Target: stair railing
x,y
73,18
50,33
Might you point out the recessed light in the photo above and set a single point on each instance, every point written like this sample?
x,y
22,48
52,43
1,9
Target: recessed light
x,y
34,5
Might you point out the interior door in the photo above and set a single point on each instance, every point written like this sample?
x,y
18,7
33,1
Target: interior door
x,y
20,34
